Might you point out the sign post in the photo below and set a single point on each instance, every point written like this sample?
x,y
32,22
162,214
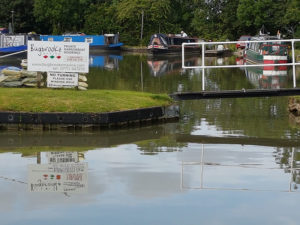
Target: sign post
x,y
47,56
62,60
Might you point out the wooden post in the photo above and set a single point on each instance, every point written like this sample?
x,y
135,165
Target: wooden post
x,y
39,79
38,157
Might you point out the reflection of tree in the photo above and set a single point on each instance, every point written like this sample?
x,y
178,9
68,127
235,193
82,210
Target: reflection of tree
x,y
289,160
129,77
254,117
164,144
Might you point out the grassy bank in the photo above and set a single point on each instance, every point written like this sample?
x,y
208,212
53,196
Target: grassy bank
x,y
51,100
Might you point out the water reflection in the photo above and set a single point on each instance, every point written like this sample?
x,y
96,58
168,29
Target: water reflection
x,y
267,77
109,62
61,173
225,155
227,168
160,66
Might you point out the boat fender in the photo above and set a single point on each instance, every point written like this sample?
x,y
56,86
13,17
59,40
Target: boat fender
x,y
11,71
82,84
26,73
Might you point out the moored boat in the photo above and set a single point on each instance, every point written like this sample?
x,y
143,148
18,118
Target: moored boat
x,y
97,42
171,44
274,52
10,43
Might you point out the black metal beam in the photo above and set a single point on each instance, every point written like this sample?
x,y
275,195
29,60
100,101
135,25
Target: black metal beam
x,y
235,93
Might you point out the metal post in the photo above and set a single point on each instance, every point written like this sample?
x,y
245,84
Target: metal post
x,y
12,21
293,61
182,54
203,65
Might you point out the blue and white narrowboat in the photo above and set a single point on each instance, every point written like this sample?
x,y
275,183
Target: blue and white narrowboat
x,y
11,43
97,42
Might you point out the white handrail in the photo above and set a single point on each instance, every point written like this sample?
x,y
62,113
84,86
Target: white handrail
x,y
203,66
15,53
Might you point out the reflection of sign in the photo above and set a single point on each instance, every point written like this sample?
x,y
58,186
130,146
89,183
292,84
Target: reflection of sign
x,y
58,56
58,177
58,80
13,40
62,157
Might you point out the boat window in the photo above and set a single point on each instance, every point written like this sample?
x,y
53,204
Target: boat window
x,y
164,41
155,41
89,40
67,39
256,47
109,40
177,41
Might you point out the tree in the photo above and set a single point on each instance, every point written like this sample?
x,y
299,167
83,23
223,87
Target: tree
x,y
207,19
22,12
129,13
291,20
101,18
61,15
253,14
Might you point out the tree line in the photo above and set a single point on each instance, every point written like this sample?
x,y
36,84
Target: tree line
x,y
207,19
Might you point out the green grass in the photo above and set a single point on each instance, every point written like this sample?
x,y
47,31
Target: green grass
x,y
62,100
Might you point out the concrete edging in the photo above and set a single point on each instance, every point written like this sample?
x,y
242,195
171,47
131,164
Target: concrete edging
x,y
23,120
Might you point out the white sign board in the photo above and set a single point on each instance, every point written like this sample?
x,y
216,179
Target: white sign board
x,y
62,157
13,40
48,56
62,80
58,177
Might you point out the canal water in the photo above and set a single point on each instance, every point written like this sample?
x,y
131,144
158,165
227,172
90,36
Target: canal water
x,y
226,161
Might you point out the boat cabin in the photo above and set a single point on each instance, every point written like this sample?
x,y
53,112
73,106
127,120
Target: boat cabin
x,y
167,40
268,48
93,40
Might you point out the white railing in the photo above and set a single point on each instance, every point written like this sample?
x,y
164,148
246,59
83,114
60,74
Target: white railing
x,y
205,164
203,66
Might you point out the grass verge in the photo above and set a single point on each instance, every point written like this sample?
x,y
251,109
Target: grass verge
x,y
62,100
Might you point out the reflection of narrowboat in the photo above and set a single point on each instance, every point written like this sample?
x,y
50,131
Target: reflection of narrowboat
x,y
166,65
266,78
170,44
109,62
97,42
10,43
267,52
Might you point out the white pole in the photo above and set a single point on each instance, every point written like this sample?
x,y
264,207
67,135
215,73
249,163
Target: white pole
x,y
202,165
292,169
293,61
203,65
182,54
